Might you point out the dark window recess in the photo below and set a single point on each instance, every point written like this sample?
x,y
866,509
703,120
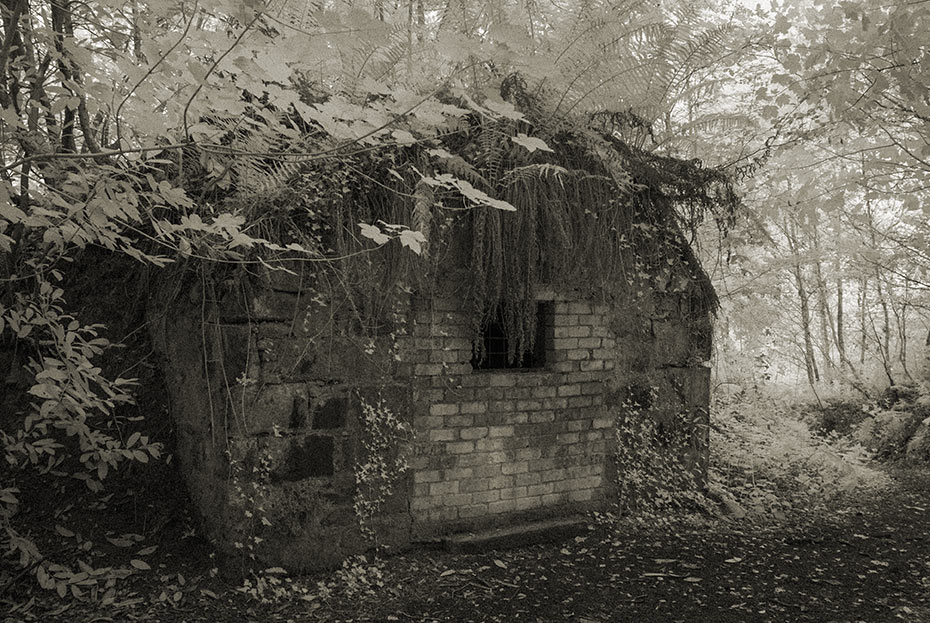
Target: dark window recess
x,y
497,345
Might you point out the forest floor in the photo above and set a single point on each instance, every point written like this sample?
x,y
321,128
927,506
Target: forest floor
x,y
829,537
860,559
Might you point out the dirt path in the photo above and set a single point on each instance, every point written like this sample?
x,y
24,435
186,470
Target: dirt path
x,y
868,560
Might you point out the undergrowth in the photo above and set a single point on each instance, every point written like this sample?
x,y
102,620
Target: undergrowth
x,y
769,460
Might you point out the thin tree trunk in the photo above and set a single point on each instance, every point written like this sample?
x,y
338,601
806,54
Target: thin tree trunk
x,y
863,330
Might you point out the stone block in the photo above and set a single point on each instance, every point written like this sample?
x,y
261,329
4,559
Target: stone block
x,y
457,499
443,434
503,506
478,432
474,407
520,467
426,476
267,408
460,447
447,487
330,413
308,457
500,431
483,497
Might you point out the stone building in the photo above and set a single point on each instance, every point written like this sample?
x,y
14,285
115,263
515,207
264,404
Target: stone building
x,y
322,408
274,395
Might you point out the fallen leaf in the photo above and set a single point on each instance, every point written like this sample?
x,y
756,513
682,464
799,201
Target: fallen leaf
x,y
139,564
500,564
733,560
146,551
691,578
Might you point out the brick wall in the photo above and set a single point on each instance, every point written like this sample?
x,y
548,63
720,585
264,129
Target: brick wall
x,y
516,443
270,381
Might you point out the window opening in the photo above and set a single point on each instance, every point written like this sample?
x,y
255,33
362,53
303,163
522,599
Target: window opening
x,y
497,344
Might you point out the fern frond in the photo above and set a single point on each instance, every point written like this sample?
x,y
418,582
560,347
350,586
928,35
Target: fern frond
x,y
459,167
534,171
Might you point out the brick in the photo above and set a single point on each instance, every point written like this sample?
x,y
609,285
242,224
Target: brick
x,y
487,471
562,366
564,320
501,406
580,401
460,447
459,421
477,432
421,490
491,495
502,380
449,356
528,454
529,478
581,332
587,366
513,492
456,343
457,473
589,342
427,369
474,407
569,390
473,485
447,487
552,475
579,308
578,355
581,377
540,489
524,504
591,482
501,482
575,426
443,434
520,467
502,506
419,504
540,417
516,417
473,510
552,499
591,389
566,343
489,445
581,495
529,405
429,475
456,499
541,465
547,391
500,431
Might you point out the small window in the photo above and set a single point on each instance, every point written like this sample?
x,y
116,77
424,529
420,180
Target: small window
x,y
497,345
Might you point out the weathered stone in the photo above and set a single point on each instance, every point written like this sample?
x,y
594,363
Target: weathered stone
x,y
310,457
331,414
267,408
